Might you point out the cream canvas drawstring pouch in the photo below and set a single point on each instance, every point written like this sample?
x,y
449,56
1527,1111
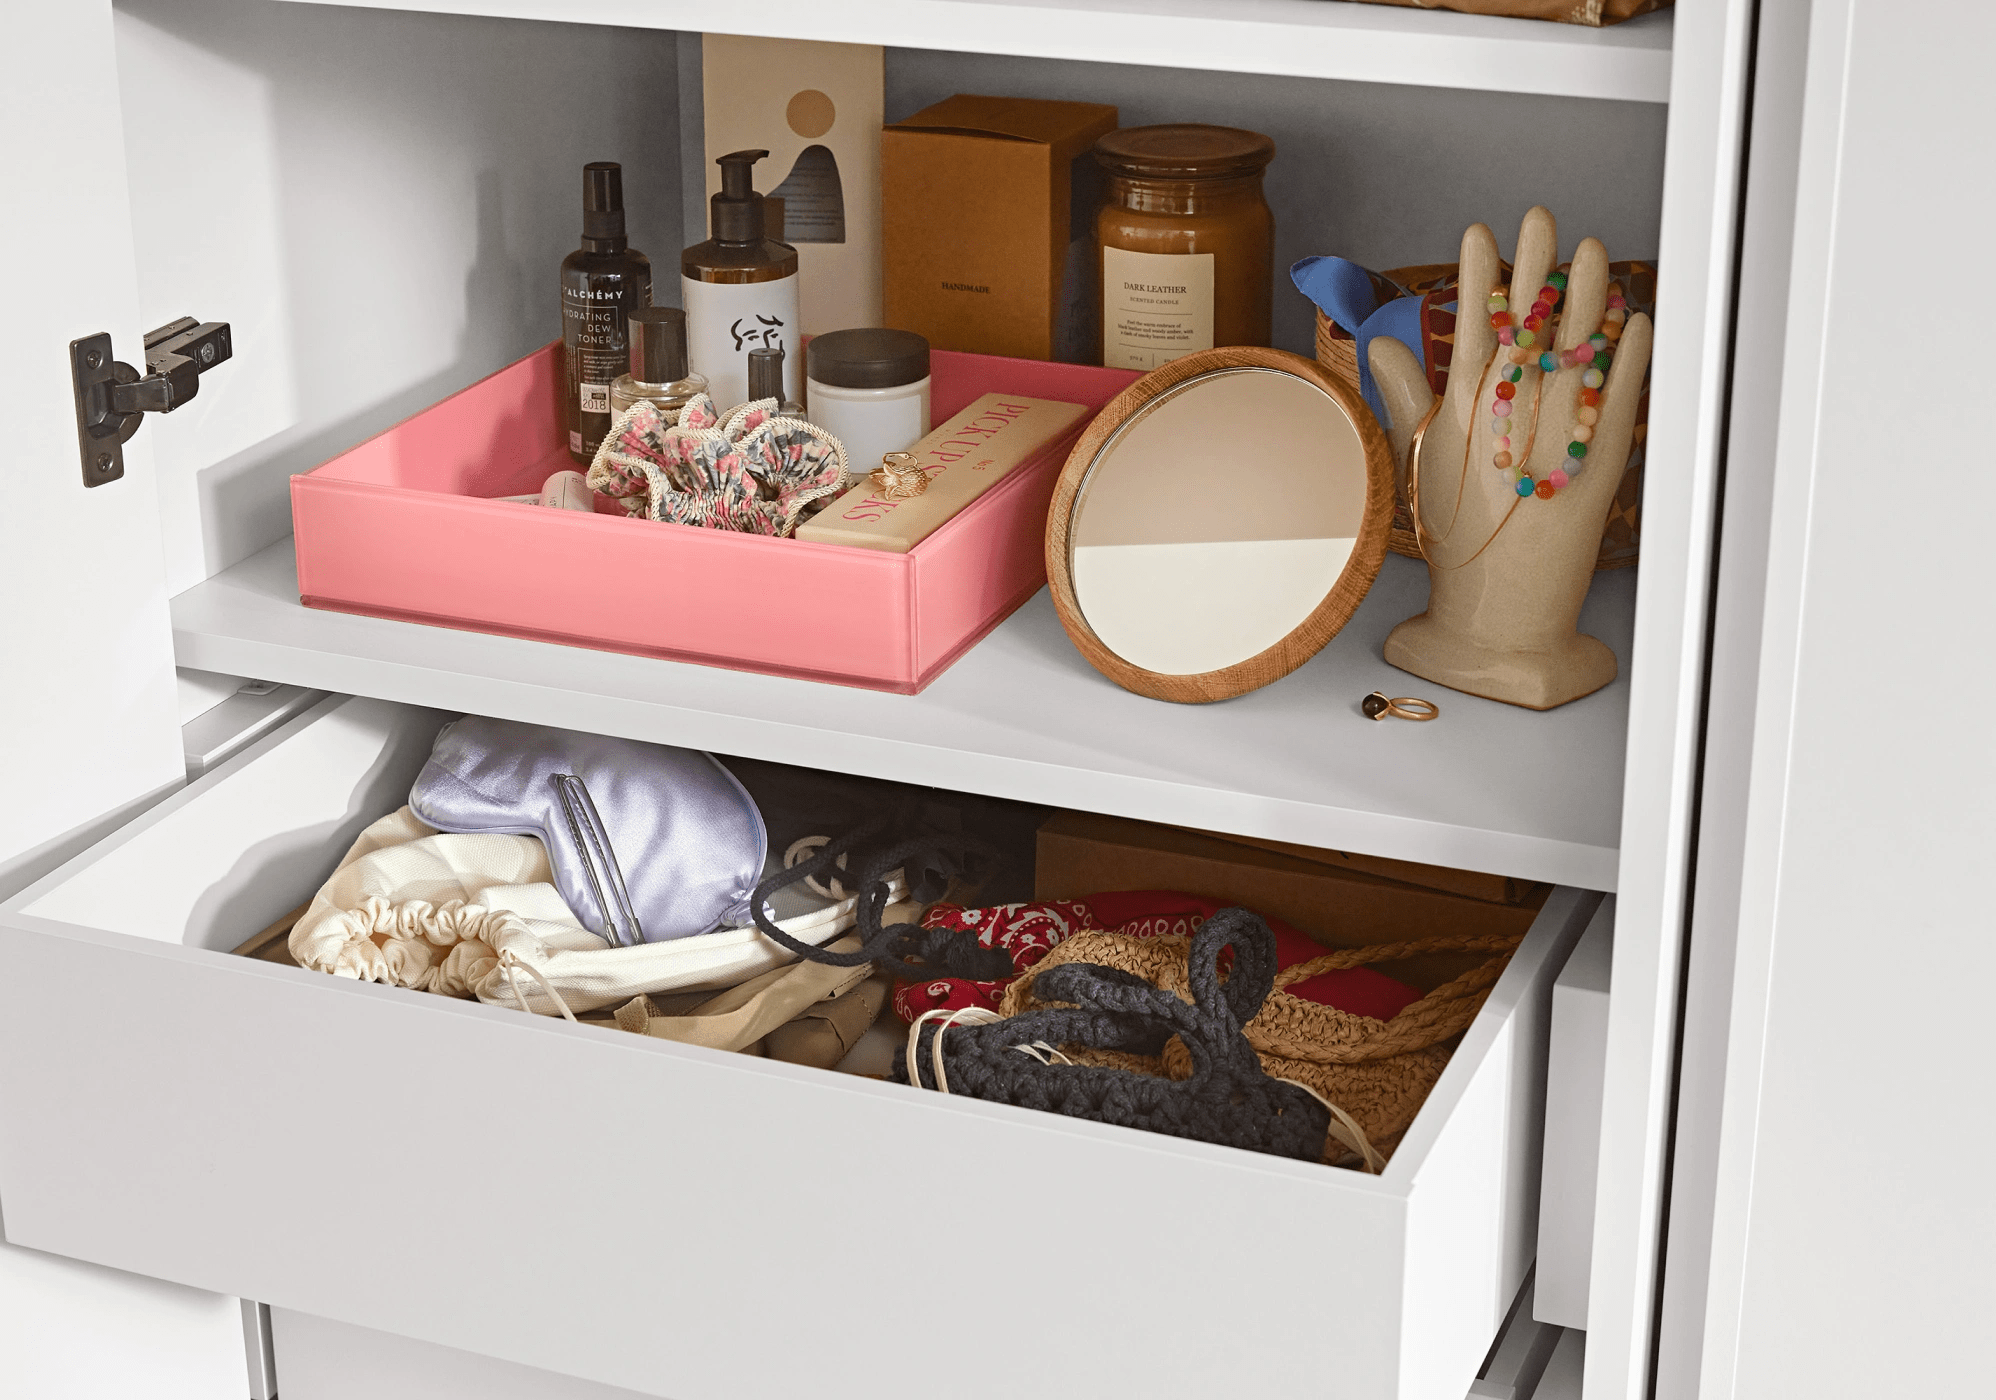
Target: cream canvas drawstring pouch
x,y
478,915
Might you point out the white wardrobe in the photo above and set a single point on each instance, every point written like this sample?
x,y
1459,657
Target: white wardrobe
x,y
1787,791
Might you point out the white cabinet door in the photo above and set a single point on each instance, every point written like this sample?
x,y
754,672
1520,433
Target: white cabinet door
x,y
87,719
87,722
1854,1223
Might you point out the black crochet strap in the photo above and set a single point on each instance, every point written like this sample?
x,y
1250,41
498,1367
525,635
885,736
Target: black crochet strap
x,y
1211,1026
929,861
1229,1098
1253,975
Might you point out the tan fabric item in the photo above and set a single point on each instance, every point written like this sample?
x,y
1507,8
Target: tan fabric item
x,y
824,1034
742,1015
1596,12
450,913
1379,1072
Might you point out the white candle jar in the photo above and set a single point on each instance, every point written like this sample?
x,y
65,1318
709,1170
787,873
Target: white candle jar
x,y
869,387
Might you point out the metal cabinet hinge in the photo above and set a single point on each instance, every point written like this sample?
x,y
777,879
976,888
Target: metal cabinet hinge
x,y
112,398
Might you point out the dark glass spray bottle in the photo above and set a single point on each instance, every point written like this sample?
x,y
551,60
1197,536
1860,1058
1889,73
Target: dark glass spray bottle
x,y
602,283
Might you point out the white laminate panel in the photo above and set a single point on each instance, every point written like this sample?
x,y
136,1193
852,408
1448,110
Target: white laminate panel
x,y
326,1360
1577,1053
224,859
1474,1159
1696,292
1486,787
74,1331
1627,62
1851,1260
87,694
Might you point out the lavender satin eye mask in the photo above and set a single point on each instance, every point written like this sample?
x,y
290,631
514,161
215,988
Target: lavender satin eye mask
x,y
647,842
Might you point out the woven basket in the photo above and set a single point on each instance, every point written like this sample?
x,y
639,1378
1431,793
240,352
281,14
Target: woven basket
x,y
1337,352
1379,1072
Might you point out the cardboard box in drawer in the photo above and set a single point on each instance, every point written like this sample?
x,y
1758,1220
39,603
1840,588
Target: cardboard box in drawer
x,y
407,525
1501,889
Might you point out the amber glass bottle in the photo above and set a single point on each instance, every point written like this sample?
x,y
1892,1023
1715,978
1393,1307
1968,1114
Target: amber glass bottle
x,y
602,283
1186,242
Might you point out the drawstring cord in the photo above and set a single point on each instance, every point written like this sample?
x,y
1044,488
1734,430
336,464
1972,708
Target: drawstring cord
x,y
802,849
508,960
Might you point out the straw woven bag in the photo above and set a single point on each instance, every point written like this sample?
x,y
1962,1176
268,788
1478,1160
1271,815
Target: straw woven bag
x,y
1379,1072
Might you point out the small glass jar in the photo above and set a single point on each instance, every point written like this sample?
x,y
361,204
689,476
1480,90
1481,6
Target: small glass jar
x,y
658,365
1186,242
869,388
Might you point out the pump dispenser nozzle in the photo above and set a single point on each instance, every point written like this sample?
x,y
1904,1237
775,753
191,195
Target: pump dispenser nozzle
x,y
737,209
603,206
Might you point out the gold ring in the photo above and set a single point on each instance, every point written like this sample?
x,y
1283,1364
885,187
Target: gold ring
x,y
899,476
1377,706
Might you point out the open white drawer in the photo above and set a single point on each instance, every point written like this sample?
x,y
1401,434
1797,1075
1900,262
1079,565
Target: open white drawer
x,y
686,1223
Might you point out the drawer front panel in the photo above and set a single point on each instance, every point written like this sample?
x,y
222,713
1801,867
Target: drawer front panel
x,y
681,1222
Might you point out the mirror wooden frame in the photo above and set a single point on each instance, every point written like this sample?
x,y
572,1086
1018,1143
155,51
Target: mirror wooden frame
x,y
1309,636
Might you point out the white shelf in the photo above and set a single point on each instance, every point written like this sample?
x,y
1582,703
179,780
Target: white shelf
x,y
1307,38
1486,787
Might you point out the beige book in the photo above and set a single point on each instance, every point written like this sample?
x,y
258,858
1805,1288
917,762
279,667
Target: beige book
x,y
963,459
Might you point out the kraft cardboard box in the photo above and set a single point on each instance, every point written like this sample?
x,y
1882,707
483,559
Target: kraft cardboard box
x,y
1500,889
1080,854
987,225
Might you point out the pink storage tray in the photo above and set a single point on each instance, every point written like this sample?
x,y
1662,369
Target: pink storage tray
x,y
402,526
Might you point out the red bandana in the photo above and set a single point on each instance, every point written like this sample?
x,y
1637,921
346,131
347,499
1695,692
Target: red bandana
x,y
1029,931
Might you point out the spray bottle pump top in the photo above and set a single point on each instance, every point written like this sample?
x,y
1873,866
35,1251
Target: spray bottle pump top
x,y
737,209
603,206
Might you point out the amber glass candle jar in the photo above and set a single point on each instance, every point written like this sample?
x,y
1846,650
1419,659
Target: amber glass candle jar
x,y
1186,243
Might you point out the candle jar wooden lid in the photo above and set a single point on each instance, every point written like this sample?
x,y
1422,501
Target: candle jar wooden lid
x,y
1184,151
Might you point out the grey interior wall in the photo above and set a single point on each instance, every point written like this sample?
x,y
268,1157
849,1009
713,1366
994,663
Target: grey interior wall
x,y
379,203
1383,174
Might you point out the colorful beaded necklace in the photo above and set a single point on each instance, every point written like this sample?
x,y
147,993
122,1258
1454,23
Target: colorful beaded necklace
x,y
1591,356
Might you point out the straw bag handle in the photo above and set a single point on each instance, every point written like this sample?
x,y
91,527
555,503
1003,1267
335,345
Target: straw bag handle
x,y
1441,1013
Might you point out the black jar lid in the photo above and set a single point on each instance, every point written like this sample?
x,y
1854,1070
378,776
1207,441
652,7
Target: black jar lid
x,y
868,357
1184,151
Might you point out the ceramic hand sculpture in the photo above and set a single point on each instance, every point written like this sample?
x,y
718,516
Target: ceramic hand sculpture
x,y
1514,469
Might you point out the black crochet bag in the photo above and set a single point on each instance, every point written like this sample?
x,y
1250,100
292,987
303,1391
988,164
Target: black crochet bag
x,y
1228,1099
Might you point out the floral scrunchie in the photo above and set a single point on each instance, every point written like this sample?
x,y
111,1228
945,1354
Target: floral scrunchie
x,y
753,471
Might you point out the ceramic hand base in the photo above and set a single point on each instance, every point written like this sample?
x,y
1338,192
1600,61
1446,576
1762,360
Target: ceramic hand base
x,y
1508,574
1536,678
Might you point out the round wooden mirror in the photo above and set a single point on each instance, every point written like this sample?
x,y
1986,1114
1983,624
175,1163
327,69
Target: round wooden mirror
x,y
1218,523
